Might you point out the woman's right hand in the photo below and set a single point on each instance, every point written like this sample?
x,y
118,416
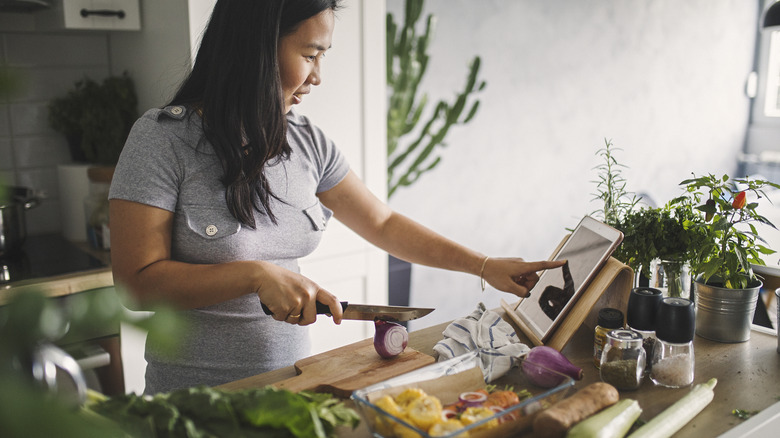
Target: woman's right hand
x,y
292,298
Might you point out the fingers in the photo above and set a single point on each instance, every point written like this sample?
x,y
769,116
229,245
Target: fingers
x,y
333,304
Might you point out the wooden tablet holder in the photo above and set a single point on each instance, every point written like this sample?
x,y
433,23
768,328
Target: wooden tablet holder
x,y
610,288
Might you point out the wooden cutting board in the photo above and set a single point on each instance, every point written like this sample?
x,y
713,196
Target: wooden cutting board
x,y
343,370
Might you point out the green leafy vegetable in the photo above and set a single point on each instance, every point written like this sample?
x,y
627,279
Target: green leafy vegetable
x,y
209,412
743,414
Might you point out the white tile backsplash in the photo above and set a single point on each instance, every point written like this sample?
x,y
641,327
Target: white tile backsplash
x,y
49,64
45,84
5,121
30,119
37,151
56,49
6,154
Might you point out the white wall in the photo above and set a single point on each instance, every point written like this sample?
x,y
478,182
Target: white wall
x,y
663,79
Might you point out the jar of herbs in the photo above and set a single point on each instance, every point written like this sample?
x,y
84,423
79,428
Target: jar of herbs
x,y
623,359
608,319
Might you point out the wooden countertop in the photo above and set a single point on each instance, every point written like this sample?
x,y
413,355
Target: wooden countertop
x,y
748,376
65,284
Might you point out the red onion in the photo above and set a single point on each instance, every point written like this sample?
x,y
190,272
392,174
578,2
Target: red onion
x,y
472,398
551,359
390,338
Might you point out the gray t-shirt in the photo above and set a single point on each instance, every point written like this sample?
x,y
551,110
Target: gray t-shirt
x,y
168,163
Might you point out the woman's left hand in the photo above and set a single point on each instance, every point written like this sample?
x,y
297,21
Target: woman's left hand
x,y
515,275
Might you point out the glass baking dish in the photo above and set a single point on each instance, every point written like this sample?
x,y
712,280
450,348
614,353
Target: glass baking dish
x,y
447,380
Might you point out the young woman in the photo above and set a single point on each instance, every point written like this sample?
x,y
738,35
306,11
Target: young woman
x,y
219,193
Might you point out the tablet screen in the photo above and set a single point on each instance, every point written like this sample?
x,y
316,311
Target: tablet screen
x,y
586,250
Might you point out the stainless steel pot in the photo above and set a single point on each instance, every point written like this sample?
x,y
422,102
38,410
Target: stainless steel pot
x,y
13,226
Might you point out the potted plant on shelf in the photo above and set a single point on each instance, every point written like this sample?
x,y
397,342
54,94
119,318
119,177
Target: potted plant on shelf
x,y
725,286
95,119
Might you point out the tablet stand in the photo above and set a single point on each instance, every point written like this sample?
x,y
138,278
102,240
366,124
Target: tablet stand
x,y
610,288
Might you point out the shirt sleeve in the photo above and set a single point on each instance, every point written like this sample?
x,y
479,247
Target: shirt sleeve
x,y
148,168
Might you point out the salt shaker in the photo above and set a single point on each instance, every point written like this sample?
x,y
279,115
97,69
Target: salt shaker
x,y
623,359
673,360
640,316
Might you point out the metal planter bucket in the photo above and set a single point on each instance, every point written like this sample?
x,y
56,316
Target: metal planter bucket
x,y
725,315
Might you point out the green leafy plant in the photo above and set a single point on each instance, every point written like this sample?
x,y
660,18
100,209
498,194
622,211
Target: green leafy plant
x,y
658,233
407,60
728,221
207,412
96,118
29,320
616,201
648,233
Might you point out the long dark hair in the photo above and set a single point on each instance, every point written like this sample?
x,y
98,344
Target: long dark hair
x,y
235,84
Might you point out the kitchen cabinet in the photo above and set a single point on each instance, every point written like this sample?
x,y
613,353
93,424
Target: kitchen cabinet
x,y
92,15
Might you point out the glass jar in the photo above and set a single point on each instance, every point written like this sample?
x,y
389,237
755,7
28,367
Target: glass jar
x,y
643,304
608,319
623,360
672,363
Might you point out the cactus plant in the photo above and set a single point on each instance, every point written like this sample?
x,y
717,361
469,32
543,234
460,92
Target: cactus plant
x,y
407,60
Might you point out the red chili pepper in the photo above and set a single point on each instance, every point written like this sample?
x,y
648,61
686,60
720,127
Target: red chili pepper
x,y
739,201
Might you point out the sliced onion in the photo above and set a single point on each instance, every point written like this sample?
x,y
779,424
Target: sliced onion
x,y
472,398
541,360
447,414
390,338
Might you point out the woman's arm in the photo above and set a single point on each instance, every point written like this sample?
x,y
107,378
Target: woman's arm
x,y
141,262
355,206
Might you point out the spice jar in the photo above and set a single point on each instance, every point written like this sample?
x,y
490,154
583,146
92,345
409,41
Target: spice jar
x,y
623,359
640,316
673,360
608,319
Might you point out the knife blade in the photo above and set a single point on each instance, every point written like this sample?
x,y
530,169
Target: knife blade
x,y
365,312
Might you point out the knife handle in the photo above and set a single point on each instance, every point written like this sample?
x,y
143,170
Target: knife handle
x,y
322,309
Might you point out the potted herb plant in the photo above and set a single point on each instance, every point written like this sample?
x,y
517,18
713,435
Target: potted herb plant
x,y
661,236
95,118
726,287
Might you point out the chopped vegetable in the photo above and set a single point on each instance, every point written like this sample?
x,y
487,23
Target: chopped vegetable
x,y
743,414
472,398
558,418
549,359
390,338
678,414
612,422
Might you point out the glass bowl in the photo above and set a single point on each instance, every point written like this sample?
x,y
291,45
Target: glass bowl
x,y
446,381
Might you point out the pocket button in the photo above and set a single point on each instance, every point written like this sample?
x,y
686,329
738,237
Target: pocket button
x,y
211,230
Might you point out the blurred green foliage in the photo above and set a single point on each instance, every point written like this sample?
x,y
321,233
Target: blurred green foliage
x,y
407,61
31,319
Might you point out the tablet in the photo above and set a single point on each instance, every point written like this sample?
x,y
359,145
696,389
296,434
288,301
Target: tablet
x,y
586,250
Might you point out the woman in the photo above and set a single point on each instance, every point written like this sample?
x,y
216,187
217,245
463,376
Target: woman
x,y
218,194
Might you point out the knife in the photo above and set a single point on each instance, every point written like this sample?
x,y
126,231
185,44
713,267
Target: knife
x,y
364,312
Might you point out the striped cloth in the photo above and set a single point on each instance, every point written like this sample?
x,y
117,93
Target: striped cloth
x,y
483,330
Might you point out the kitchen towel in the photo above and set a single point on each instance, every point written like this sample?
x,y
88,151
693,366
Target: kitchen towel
x,y
483,330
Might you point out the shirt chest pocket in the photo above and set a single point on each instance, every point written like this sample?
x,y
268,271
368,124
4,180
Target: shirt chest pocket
x,y
211,223
318,215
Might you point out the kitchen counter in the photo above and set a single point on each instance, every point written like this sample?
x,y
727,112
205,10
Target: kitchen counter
x,y
55,267
748,376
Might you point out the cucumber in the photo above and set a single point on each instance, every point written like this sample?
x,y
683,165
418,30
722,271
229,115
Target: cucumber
x,y
679,414
612,422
